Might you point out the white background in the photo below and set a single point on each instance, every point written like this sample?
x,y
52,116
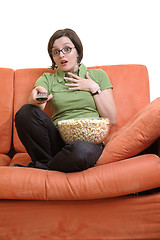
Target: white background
x,y
112,32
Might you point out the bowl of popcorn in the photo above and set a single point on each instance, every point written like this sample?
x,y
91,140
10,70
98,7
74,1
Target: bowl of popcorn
x,y
84,129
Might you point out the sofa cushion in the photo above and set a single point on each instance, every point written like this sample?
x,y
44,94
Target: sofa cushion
x,y
110,180
21,158
138,134
4,160
6,109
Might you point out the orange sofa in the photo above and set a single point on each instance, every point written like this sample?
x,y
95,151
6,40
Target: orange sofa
x,y
116,199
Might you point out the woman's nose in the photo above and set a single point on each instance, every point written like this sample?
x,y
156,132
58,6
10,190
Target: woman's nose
x,y
61,54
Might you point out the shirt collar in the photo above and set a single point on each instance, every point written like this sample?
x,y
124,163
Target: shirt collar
x,y
81,72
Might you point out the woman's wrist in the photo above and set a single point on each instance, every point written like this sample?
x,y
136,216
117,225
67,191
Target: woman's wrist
x,y
95,89
97,92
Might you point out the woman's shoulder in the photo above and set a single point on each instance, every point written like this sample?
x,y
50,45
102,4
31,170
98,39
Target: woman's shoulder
x,y
48,74
97,72
46,77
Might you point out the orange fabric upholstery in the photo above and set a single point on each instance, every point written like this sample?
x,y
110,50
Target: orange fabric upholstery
x,y
21,158
4,160
135,136
109,180
128,217
6,109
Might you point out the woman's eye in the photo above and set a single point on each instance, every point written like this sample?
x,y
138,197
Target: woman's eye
x,y
56,52
67,49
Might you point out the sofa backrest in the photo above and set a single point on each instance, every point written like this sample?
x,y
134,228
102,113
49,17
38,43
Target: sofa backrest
x,y
6,108
23,85
130,90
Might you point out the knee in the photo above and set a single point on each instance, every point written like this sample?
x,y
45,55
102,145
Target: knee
x,y
85,154
23,111
24,114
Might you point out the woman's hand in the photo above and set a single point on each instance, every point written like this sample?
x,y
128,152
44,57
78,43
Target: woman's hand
x,y
79,83
104,101
33,95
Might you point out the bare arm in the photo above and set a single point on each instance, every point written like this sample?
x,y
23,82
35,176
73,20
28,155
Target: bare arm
x,y
105,105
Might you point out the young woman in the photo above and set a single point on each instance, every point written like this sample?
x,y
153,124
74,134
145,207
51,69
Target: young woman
x,y
73,92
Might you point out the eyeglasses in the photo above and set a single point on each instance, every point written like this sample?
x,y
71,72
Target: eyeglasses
x,y
65,50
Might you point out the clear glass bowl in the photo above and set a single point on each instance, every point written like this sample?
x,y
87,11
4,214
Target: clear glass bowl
x,y
85,129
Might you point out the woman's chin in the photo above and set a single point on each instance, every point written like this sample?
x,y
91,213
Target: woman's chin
x,y
68,68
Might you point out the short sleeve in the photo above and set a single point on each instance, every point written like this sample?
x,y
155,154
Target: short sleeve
x,y
101,77
43,82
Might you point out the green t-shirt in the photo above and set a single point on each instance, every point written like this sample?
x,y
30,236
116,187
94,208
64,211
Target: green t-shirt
x,y
67,104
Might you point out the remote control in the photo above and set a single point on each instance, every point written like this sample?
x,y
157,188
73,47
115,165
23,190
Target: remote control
x,y
42,96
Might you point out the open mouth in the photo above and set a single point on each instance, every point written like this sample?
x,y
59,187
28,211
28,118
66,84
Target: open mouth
x,y
64,62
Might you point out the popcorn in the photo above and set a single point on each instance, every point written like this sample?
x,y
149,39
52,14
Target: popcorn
x,y
86,129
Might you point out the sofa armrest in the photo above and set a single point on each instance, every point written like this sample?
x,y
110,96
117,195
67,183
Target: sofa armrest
x,y
135,136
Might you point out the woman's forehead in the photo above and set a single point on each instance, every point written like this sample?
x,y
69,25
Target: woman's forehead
x,y
62,41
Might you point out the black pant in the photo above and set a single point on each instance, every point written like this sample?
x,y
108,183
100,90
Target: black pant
x,y
45,146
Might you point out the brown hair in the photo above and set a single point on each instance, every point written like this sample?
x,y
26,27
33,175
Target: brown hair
x,y
72,36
